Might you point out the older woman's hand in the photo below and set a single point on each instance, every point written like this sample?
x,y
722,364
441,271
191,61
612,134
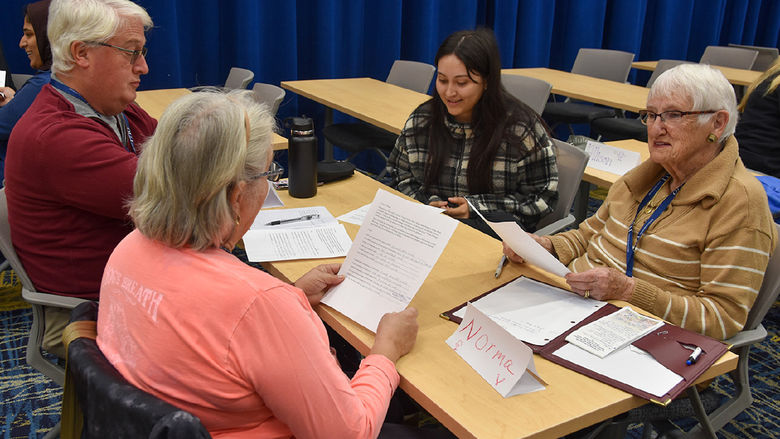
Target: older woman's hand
x,y
318,280
602,284
396,334
542,240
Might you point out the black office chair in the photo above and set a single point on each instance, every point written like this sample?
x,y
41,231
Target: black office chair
x,y
99,403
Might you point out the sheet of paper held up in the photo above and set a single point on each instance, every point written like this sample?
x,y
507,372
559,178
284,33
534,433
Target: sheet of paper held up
x,y
394,251
302,233
503,361
2,78
611,159
535,312
358,215
525,246
613,332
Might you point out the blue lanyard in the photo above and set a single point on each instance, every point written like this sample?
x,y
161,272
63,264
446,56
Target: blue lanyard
x,y
630,249
60,86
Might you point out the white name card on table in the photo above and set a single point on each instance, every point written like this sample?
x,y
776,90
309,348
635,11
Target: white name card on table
x,y
610,158
505,362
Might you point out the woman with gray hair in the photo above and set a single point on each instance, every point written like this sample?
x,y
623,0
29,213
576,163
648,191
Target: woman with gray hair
x,y
687,234
183,319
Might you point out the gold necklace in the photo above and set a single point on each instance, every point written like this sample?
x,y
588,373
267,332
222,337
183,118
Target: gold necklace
x,y
653,203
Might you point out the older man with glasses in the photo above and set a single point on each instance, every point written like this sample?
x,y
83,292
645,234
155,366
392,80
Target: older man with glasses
x,y
72,157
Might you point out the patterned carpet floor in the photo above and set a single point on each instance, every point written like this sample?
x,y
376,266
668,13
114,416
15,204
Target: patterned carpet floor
x,y
30,403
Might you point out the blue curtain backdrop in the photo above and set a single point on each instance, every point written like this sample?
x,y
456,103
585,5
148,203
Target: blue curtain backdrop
x,y
195,42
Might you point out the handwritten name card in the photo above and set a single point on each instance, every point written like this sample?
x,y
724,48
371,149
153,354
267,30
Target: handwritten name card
x,y
503,361
611,159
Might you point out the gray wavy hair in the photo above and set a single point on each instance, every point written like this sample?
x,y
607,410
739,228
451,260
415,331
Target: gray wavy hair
x,y
205,143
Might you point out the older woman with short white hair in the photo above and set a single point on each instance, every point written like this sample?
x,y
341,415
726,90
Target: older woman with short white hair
x,y
185,320
687,234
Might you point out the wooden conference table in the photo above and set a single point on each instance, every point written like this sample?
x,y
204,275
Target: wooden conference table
x,y
735,76
434,375
156,101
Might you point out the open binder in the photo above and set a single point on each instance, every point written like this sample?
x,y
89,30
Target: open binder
x,y
665,344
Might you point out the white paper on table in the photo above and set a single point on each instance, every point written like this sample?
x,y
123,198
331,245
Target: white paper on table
x,y
629,365
610,158
266,216
358,215
283,244
613,332
394,251
502,360
535,312
272,198
525,246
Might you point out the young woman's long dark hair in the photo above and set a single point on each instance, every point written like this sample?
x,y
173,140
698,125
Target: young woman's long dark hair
x,y
494,115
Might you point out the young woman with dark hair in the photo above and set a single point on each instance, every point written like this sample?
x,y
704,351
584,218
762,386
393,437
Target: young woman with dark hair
x,y
474,141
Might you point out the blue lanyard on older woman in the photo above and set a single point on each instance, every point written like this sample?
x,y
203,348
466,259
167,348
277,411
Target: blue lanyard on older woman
x,y
60,86
630,249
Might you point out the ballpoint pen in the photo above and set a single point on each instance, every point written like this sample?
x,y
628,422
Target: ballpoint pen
x,y
292,220
694,356
501,264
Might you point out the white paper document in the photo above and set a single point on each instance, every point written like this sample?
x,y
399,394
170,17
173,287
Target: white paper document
x,y
629,365
610,158
394,251
329,241
535,312
272,199
613,332
297,218
2,78
503,361
356,216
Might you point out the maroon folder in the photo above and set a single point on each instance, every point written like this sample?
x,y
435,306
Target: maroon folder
x,y
664,344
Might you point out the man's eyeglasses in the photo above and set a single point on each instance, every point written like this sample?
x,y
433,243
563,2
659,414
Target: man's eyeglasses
x,y
273,174
670,117
134,54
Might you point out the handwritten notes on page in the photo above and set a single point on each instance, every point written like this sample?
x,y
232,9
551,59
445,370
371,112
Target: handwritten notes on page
x,y
613,332
394,251
525,246
502,360
303,233
610,158
535,312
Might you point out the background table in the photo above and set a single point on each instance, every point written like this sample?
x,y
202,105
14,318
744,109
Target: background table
x,y
155,102
734,76
433,374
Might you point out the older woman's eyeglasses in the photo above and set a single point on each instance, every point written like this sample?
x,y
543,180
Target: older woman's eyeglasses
x,y
134,54
670,117
273,173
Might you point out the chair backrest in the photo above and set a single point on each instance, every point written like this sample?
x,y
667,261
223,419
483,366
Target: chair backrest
x,y
766,56
734,57
411,74
768,293
603,63
19,79
239,78
269,94
571,166
112,407
7,247
531,91
664,65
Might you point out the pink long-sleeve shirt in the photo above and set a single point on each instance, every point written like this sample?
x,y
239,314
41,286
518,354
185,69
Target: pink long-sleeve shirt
x,y
239,349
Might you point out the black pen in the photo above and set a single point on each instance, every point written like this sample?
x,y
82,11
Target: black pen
x,y
501,264
292,220
694,356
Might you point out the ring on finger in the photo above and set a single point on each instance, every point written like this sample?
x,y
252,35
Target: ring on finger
x,y
587,294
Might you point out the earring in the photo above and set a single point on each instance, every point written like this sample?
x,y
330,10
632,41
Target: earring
x,y
712,138
238,219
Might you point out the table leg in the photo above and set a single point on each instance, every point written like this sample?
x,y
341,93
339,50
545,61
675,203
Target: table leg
x,y
328,145
581,203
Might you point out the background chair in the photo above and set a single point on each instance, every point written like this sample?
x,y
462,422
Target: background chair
x,y
531,91
571,166
618,128
359,136
107,404
612,65
270,95
19,79
734,57
239,78
766,56
37,299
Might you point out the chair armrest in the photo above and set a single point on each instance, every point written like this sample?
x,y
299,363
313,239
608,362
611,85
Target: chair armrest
x,y
747,337
556,226
46,299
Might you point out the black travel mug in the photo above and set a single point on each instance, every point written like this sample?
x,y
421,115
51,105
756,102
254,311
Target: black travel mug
x,y
302,154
